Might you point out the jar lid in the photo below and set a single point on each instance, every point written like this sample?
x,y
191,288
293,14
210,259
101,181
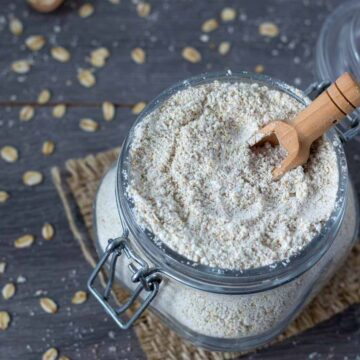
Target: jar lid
x,y
338,46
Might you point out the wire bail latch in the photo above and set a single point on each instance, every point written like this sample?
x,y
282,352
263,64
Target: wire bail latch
x,y
148,280
350,126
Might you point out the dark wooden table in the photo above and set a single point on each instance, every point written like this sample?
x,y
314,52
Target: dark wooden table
x,y
56,267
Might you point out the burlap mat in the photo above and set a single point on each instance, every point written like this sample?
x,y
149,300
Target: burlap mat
x,y
77,184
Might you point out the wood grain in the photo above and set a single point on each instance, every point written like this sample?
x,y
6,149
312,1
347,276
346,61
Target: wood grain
x,y
56,267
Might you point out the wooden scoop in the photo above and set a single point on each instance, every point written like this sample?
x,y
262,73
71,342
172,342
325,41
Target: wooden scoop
x,y
340,99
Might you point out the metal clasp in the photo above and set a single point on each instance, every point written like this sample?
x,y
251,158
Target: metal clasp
x,y
348,128
147,278
316,88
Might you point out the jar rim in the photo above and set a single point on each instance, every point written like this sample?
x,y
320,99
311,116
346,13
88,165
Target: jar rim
x,y
219,280
336,48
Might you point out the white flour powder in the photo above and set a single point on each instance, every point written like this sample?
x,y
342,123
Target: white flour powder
x,y
202,191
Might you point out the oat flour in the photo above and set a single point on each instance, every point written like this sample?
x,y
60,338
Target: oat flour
x,y
202,191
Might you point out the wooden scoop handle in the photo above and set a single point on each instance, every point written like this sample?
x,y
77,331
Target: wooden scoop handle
x,y
340,99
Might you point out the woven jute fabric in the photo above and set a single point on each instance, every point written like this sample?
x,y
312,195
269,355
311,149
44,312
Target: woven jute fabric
x,y
77,183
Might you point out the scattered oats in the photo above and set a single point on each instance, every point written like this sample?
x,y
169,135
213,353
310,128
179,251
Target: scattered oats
x,y
8,291
4,320
224,47
191,54
9,154
59,111
24,241
48,305
16,26
89,125
139,107
48,147
47,231
101,51
59,53
32,178
63,357
268,29
108,110
35,42
4,196
209,25
228,14
50,354
21,66
97,61
79,297
44,97
2,267
143,9
86,78
98,56
138,55
27,113
86,10
259,68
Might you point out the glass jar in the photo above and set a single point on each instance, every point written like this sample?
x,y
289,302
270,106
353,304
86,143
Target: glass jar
x,y
223,310
338,45
338,51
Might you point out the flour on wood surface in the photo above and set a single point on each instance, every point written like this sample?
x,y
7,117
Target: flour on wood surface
x,y
202,191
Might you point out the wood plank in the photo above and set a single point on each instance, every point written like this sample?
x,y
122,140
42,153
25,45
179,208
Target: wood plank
x,y
163,35
336,338
57,267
